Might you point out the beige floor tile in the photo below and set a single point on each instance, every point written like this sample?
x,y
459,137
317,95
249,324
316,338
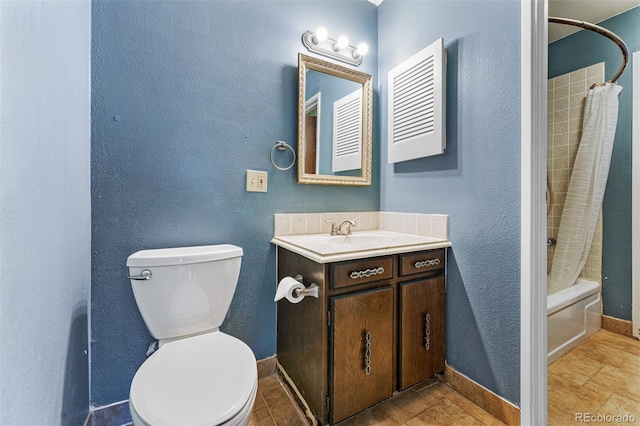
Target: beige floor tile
x,y
470,407
620,381
261,417
617,341
259,403
275,407
477,412
444,413
605,392
408,405
616,358
433,393
576,368
268,383
618,405
282,410
566,395
558,417
383,413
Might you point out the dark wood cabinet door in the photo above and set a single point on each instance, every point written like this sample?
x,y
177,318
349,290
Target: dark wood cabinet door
x,y
361,351
422,341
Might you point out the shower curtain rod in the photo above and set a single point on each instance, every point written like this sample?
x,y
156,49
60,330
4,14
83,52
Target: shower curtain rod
x,y
602,31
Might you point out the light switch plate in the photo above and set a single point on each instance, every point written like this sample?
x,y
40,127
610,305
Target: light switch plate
x,y
256,181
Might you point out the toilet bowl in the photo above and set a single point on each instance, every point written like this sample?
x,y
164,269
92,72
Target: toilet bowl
x,y
199,375
209,379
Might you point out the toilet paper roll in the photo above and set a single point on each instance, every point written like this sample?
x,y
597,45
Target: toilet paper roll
x,y
286,289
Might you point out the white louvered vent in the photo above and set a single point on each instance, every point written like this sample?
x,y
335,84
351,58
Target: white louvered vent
x,y
347,133
417,105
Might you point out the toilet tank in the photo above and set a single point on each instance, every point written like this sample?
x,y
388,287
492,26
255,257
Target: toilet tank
x,y
190,289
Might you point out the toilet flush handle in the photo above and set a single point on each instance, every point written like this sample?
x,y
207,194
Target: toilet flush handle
x,y
144,275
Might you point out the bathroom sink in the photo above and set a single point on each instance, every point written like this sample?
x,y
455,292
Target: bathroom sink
x,y
378,242
359,238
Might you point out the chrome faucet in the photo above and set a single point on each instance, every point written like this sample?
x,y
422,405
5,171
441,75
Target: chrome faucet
x,y
337,230
349,223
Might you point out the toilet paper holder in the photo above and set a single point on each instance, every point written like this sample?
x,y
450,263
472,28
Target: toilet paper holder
x,y
313,290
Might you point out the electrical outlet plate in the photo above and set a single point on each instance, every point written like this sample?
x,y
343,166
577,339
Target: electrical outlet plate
x,y
256,181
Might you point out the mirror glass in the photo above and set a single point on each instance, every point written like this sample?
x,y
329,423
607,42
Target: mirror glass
x,y
334,124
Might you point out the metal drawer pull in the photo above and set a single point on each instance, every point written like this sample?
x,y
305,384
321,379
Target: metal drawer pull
x,y
427,331
428,262
366,273
144,275
367,352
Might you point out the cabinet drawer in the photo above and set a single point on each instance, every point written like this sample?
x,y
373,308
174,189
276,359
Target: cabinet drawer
x,y
415,263
362,271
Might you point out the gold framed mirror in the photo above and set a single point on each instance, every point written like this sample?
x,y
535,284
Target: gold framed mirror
x,y
335,109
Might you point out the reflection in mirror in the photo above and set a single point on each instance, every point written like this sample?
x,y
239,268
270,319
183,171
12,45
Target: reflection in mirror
x,y
334,128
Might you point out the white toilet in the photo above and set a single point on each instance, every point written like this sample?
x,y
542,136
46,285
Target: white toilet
x,y
199,375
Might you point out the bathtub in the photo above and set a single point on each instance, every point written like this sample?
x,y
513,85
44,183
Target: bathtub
x,y
573,315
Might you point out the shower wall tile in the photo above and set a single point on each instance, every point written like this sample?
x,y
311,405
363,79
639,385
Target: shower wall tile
x,y
578,88
561,80
566,96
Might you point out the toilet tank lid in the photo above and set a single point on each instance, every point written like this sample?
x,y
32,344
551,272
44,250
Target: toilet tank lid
x,y
183,255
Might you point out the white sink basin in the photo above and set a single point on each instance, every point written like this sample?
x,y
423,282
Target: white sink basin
x,y
354,239
377,242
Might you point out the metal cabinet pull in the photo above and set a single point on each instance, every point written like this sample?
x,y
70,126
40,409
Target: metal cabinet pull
x,y
367,352
366,273
144,275
425,263
427,331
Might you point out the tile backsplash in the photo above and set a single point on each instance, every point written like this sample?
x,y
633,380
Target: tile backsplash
x,y
429,225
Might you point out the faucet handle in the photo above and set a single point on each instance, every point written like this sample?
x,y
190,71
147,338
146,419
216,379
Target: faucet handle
x,y
334,230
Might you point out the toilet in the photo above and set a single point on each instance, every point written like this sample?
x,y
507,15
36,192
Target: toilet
x,y
198,375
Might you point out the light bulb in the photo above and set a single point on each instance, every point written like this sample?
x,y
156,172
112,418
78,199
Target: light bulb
x,y
320,35
362,49
342,42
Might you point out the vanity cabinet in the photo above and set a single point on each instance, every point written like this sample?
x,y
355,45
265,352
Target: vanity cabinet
x,y
377,328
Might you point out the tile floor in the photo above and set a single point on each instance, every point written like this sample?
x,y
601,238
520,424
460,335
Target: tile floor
x,y
430,403
599,377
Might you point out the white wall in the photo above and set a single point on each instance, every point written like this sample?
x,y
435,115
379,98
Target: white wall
x,y
45,216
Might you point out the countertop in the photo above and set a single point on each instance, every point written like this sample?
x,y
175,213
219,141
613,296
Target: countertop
x,y
324,248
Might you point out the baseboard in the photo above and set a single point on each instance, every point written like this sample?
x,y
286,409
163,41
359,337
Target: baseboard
x,y
116,414
494,404
616,325
267,367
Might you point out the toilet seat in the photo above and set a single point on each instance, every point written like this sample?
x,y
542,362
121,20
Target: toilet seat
x,y
201,380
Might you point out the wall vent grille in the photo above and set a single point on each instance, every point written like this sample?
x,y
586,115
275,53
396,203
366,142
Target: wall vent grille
x,y
417,105
347,132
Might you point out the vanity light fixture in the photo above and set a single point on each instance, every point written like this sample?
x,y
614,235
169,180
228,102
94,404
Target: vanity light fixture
x,y
339,49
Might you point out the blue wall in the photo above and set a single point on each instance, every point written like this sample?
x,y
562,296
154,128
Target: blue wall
x,y
476,182
577,51
187,96
45,211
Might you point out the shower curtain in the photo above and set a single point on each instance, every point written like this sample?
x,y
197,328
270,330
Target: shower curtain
x,y
586,187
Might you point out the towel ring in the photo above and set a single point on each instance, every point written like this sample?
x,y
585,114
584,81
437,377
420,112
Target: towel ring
x,y
282,146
